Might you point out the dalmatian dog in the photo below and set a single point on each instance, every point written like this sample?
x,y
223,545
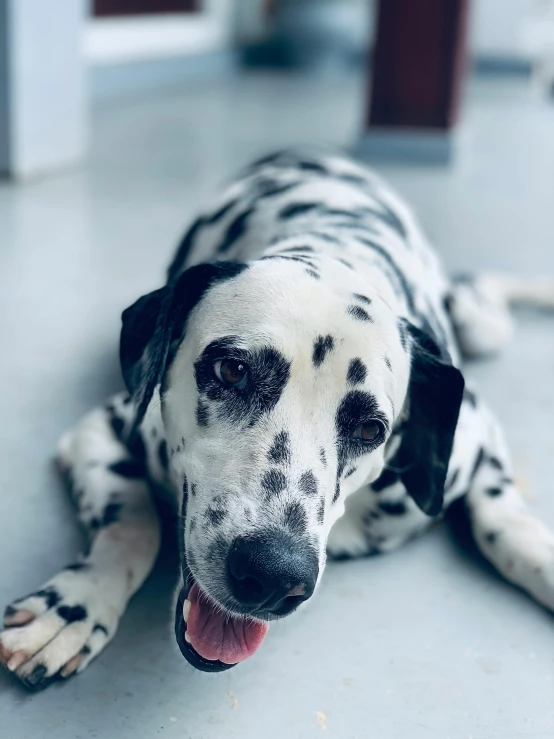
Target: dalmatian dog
x,y
294,388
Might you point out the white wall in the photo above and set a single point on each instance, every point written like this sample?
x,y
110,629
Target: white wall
x,y
42,92
130,39
498,26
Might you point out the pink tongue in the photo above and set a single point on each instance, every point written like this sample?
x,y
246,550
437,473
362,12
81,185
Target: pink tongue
x,y
214,635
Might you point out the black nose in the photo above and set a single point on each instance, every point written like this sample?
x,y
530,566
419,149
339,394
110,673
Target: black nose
x,y
271,572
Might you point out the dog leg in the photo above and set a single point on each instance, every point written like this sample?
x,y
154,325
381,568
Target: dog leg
x,y
376,522
57,630
505,530
480,308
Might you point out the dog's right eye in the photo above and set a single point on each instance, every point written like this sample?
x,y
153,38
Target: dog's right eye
x,y
231,373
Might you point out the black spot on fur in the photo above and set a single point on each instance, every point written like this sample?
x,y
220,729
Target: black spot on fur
x,y
385,480
295,518
493,492
403,334
323,345
359,313
235,231
50,595
388,216
117,424
9,611
111,514
71,614
128,468
306,249
300,258
280,449
491,537
345,262
337,492
393,508
202,414
313,273
353,179
192,524
100,627
323,456
496,463
193,489
325,237
478,462
362,298
308,483
269,188
215,516
339,213
85,651
274,482
313,167
296,209
387,362
162,454
350,472
321,511
136,446
78,566
357,372
303,260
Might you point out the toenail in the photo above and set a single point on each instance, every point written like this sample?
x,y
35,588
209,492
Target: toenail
x,y
16,660
13,617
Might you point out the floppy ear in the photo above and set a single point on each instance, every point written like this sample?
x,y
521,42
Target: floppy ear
x,y
435,395
154,326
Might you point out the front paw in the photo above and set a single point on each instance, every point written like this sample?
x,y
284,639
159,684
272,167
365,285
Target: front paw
x,y
350,538
56,631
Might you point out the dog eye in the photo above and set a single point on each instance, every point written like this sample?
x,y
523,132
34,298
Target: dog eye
x,y
368,433
231,373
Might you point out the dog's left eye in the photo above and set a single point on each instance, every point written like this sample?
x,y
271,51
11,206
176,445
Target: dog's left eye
x,y
231,373
368,433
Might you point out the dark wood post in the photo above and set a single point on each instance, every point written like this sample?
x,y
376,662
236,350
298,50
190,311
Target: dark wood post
x,y
418,67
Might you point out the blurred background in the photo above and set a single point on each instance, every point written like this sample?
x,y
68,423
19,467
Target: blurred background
x,y
118,119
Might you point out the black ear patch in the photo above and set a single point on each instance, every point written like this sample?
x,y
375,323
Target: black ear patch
x,y
154,326
435,395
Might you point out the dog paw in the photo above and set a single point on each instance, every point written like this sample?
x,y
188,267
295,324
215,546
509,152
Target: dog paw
x,y
56,631
349,538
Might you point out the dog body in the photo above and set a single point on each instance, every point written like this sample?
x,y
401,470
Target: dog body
x,y
295,389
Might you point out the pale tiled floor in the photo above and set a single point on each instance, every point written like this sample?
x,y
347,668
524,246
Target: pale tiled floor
x,y
424,643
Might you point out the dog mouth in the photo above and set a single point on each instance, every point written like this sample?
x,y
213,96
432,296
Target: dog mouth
x,y
209,638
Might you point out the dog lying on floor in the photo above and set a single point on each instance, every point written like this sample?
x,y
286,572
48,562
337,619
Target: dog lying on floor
x,y
295,388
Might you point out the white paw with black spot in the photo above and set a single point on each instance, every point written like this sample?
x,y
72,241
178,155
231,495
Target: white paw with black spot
x,y
56,631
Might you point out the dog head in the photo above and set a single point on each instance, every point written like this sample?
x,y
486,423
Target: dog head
x,y
278,395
